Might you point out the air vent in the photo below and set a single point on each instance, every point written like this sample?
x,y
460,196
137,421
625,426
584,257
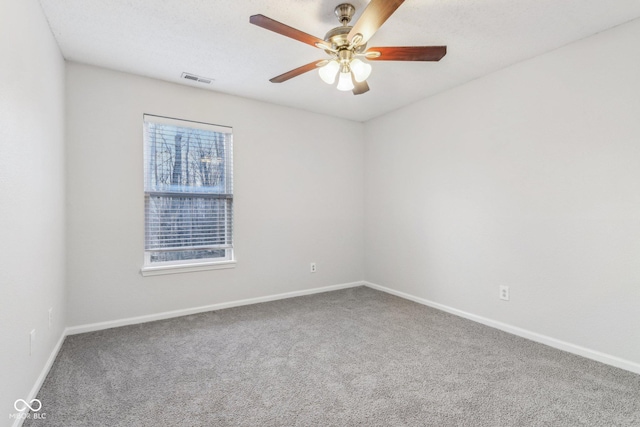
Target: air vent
x,y
195,78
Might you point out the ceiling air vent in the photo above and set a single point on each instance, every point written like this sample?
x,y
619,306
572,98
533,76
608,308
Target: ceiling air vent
x,y
195,78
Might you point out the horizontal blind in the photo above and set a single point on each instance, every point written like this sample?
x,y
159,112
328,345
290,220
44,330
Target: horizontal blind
x,y
188,186
182,221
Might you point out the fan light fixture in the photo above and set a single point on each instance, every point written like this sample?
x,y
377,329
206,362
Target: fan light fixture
x,y
344,53
346,46
356,67
344,82
361,70
328,72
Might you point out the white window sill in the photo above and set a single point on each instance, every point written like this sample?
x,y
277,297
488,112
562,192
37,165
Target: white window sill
x,y
186,268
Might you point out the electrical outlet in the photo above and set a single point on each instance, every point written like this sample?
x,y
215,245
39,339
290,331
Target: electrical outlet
x,y
32,341
504,293
50,317
313,267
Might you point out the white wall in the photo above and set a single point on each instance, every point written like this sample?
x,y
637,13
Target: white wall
x,y
529,177
32,197
298,197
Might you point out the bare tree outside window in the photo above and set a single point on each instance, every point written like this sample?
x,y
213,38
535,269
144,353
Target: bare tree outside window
x,y
188,191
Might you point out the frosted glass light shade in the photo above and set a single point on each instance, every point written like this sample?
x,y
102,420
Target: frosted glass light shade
x,y
344,82
361,70
329,72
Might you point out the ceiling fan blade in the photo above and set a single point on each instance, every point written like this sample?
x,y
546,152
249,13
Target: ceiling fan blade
x,y
295,72
376,13
360,88
285,30
408,53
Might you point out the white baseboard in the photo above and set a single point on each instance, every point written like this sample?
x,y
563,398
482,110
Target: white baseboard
x,y
185,312
524,333
43,375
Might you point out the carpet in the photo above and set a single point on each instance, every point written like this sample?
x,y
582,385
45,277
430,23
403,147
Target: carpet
x,y
354,357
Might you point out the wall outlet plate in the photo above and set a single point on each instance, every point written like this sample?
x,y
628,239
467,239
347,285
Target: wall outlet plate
x,y
504,293
313,268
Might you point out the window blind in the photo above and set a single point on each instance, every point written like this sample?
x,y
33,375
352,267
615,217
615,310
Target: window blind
x,y
188,184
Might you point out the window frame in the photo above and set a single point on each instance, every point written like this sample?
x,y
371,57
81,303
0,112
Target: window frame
x,y
189,265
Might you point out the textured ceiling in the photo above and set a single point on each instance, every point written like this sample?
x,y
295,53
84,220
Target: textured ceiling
x,y
213,38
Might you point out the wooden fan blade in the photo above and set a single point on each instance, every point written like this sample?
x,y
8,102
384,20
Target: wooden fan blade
x,y
409,53
376,13
285,30
294,73
360,88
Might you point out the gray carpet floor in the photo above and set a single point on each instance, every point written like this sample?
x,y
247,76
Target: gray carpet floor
x,y
355,357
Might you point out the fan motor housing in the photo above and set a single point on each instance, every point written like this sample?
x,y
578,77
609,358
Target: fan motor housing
x,y
337,38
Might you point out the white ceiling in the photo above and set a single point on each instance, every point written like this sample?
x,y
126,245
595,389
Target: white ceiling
x,y
213,38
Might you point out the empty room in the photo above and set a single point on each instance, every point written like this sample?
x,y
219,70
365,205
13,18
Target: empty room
x,y
319,213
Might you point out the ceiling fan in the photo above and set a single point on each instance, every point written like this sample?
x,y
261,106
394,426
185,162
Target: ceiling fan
x,y
347,46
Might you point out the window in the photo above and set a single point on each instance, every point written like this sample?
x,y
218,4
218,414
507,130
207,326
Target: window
x,y
188,193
